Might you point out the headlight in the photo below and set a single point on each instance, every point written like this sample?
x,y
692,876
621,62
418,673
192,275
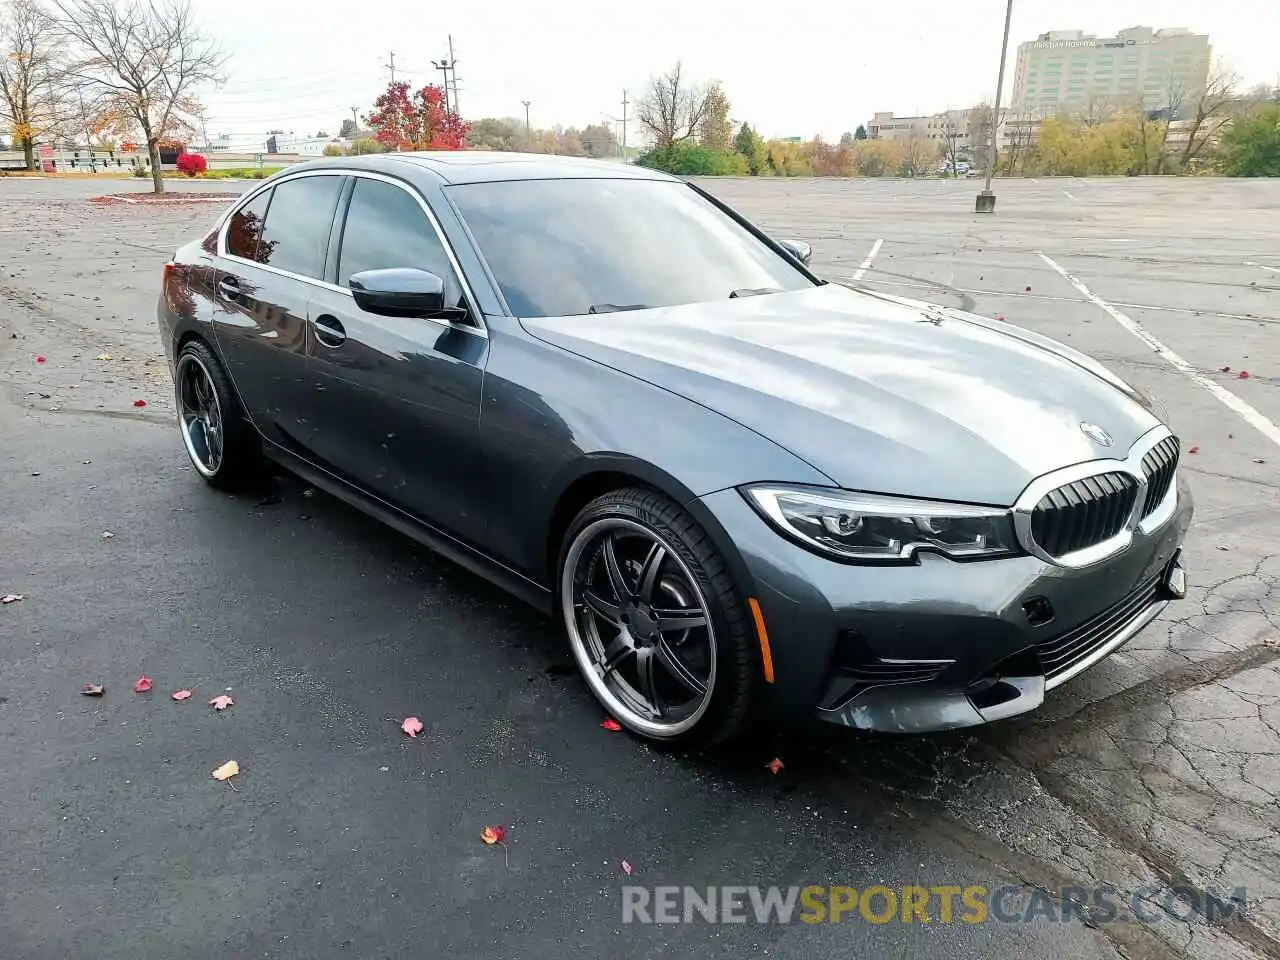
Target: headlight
x,y
867,527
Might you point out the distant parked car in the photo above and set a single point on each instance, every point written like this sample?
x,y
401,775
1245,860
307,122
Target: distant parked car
x,y
743,490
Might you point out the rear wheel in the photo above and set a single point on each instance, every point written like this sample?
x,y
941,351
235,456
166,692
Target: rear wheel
x,y
220,441
654,620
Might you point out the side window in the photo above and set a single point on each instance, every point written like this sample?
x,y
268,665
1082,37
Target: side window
x,y
296,234
385,228
245,229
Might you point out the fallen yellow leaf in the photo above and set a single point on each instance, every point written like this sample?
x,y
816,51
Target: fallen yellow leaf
x,y
226,771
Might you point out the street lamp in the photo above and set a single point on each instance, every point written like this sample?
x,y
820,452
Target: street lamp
x,y
986,199
444,66
528,132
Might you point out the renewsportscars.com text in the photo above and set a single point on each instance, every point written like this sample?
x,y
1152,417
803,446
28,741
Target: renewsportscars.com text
x,y
971,904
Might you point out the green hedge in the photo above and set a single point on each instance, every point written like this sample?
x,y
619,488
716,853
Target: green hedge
x,y
689,160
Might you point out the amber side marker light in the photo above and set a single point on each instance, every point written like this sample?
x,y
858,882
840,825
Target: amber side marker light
x,y
763,636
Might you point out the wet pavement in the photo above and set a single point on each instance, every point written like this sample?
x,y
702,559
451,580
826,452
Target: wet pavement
x,y
1157,769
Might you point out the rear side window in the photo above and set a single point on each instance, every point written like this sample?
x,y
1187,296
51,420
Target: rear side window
x,y
386,227
296,234
245,229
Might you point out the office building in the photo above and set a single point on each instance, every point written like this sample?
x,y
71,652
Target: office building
x,y
938,127
1068,71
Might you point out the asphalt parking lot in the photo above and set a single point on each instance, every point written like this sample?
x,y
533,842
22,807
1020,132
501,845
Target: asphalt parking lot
x,y
341,837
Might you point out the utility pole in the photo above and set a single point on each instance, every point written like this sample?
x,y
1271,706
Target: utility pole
x,y
391,65
986,202
624,124
528,132
453,64
355,120
444,66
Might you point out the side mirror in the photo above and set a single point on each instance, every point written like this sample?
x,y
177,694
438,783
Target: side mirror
x,y
399,292
798,249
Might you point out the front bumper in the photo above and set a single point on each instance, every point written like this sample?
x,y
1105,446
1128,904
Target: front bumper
x,y
940,644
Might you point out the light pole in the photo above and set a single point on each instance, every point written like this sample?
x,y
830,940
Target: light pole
x,y
444,66
528,132
986,199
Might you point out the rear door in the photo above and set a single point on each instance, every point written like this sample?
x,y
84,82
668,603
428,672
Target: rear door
x,y
399,396
271,255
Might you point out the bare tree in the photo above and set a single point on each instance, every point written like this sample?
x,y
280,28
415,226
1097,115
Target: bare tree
x,y
952,134
1209,112
32,96
1097,108
1175,96
1020,139
918,153
672,107
143,59
981,132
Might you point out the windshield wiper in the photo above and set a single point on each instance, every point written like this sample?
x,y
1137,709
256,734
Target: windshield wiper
x,y
751,292
615,307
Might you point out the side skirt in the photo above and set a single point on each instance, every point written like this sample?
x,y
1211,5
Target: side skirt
x,y
442,543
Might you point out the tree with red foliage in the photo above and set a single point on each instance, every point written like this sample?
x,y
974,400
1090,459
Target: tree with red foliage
x,y
421,121
192,163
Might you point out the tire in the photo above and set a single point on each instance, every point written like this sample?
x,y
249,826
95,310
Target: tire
x,y
215,412
630,643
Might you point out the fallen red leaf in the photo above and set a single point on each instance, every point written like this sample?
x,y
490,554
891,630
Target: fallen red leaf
x,y
412,726
1028,289
775,766
611,724
39,359
92,689
142,684
221,702
1193,450
1000,316
139,403
1244,375
492,835
626,867
11,598
180,695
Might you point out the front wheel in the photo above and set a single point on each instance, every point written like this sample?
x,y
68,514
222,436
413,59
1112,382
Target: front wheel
x,y
655,621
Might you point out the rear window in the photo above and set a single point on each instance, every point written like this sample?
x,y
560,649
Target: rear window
x,y
567,247
299,219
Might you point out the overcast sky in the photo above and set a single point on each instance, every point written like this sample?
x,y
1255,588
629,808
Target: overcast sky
x,y
819,66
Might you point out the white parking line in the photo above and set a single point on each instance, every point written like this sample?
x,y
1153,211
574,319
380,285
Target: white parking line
x,y
1070,195
1249,414
865,265
1261,266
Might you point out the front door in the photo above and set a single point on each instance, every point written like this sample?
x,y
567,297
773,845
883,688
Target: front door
x,y
399,397
274,250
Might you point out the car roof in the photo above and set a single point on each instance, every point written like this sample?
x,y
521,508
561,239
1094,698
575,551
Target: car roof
x,y
480,166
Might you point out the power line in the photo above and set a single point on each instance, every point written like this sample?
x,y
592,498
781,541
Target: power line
x,y
293,97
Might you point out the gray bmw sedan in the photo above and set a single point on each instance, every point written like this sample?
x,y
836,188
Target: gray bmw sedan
x,y
744,491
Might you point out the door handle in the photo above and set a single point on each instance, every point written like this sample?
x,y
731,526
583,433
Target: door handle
x,y
329,330
229,287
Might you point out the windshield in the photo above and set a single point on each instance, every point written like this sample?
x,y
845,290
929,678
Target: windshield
x,y
567,247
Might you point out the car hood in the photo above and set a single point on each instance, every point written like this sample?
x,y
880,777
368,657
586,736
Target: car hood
x,y
879,393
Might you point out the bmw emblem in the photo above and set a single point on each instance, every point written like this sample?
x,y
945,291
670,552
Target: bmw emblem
x,y
1096,434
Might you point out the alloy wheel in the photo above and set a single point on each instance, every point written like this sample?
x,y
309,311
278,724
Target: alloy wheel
x,y
639,626
199,414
